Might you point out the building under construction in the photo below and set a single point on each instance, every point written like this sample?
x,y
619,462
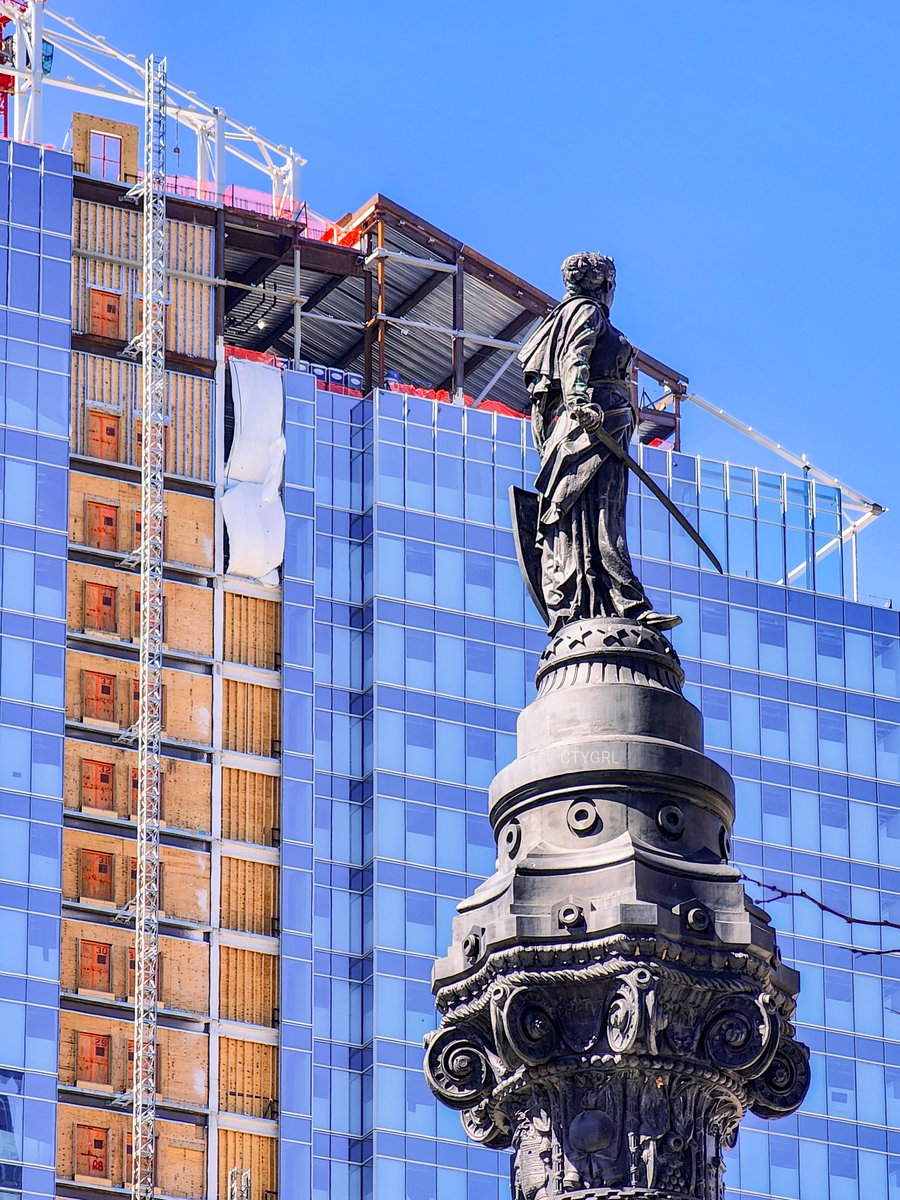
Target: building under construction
x,y
264,642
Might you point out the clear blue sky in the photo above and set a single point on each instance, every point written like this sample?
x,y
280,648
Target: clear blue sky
x,y
739,160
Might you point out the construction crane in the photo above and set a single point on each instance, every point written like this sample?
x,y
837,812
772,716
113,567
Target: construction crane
x,y
152,192
28,54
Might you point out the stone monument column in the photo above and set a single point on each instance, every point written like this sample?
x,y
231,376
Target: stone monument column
x,y
612,1003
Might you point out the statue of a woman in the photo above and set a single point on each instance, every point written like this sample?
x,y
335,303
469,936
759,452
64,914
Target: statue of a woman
x,y
576,367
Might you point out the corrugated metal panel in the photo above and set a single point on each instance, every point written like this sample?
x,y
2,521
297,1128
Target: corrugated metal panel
x,y
418,355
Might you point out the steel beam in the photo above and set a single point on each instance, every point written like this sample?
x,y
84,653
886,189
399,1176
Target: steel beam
x,y
257,274
286,324
405,306
484,352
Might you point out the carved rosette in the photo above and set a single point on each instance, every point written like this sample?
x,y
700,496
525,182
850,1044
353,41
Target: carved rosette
x,y
622,1068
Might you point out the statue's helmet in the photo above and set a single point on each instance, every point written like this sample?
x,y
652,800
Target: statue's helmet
x,y
588,272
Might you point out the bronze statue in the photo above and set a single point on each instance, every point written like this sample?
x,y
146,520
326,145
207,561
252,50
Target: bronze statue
x,y
571,536
612,1003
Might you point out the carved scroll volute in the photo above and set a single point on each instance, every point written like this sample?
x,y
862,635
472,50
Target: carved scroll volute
x,y
741,1035
487,1125
780,1089
626,1016
457,1068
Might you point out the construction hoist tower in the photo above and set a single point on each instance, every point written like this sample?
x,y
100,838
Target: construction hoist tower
x,y
239,1183
152,191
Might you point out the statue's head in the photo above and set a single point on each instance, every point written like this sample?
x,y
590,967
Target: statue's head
x,y
590,274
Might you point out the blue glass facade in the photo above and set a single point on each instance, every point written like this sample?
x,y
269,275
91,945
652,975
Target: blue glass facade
x,y
35,334
409,647
297,790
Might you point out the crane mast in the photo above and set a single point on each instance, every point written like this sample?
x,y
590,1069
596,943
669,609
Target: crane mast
x,y
149,731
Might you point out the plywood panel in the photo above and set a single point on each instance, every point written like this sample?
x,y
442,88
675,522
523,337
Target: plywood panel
x,y
248,986
103,385
190,251
188,697
249,896
101,524
82,126
93,1058
250,807
103,232
182,1168
183,1057
100,385
251,718
188,608
252,631
72,1142
100,607
189,519
103,435
92,275
92,1152
185,873
180,1157
183,977
186,884
248,1150
186,785
248,1077
93,693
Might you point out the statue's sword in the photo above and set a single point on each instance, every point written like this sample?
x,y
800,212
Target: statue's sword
x,y
614,448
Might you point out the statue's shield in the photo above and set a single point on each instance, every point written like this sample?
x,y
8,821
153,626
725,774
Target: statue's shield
x,y
523,506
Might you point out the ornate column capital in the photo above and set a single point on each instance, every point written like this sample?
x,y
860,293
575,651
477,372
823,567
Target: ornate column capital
x,y
612,1003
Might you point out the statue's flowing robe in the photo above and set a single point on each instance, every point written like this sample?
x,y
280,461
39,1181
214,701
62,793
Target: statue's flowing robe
x,y
586,569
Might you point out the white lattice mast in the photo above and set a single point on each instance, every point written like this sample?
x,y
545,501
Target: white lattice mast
x,y
146,957
239,1183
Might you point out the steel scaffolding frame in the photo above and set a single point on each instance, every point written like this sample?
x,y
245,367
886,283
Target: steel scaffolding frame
x,y
239,1183
857,510
109,74
149,724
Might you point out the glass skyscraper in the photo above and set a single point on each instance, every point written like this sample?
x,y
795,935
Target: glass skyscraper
x,y
35,337
410,647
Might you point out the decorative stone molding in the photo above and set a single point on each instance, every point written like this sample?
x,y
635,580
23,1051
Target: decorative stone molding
x,y
612,1003
621,1067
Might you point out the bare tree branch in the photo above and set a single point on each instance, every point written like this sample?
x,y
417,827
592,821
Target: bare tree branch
x,y
782,894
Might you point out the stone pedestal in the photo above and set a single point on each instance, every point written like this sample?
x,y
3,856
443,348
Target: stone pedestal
x,y
612,1002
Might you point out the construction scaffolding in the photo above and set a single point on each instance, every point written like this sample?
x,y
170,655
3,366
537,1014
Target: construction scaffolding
x,y
149,724
857,510
111,75
239,1184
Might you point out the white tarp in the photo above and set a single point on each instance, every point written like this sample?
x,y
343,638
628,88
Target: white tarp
x,y
251,506
257,394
